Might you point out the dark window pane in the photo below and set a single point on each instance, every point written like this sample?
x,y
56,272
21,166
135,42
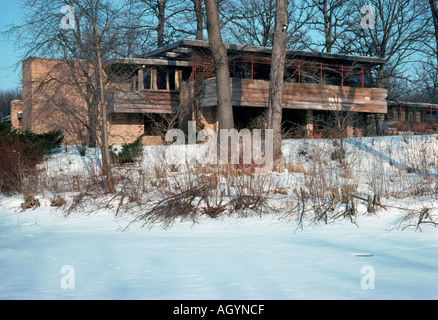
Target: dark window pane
x,y
147,79
172,83
261,71
161,79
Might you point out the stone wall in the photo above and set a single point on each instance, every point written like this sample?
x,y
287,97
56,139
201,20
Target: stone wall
x,y
16,114
53,99
125,128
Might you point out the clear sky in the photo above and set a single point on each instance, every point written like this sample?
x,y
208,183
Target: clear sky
x,y
10,76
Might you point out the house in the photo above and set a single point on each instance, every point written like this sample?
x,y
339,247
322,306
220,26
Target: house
x,y
414,117
177,81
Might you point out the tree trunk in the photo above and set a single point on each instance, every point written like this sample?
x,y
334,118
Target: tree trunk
x,y
327,28
276,85
92,127
380,83
161,19
199,12
434,9
106,163
217,47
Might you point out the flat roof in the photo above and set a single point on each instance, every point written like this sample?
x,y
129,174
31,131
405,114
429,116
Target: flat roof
x,y
184,46
413,104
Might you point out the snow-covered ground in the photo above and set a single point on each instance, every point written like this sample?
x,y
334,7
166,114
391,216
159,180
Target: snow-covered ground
x,y
45,255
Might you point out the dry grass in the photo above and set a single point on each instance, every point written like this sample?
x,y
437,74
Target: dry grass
x,y
310,189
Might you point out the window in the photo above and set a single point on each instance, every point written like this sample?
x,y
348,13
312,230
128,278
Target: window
x,y
172,80
147,79
310,74
262,71
161,79
367,80
242,69
331,76
352,79
186,73
291,74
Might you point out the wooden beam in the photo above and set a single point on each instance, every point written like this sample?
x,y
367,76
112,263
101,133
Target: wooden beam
x,y
147,101
267,50
170,54
153,62
254,93
140,79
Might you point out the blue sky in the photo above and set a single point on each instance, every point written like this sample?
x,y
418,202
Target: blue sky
x,y
10,13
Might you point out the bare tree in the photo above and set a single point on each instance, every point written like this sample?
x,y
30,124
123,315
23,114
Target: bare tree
x,y
397,34
434,14
427,71
199,14
276,85
161,17
191,20
257,25
85,34
330,21
220,58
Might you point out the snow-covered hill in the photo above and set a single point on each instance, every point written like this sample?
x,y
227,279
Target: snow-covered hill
x,y
97,255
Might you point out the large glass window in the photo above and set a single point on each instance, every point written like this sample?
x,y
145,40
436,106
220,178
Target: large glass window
x,y
161,79
172,80
352,79
262,71
242,69
332,76
147,79
291,74
310,74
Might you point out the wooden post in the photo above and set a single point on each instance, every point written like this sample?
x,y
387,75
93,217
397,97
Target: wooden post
x,y
154,79
342,75
178,79
402,114
299,71
350,126
309,123
140,79
417,115
320,66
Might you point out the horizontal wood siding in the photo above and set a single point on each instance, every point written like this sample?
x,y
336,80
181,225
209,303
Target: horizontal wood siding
x,y
254,93
146,101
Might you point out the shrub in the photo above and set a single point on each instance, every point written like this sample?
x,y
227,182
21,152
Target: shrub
x,y
11,166
129,152
20,153
5,129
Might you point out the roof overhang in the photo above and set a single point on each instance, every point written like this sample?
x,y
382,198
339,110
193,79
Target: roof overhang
x,y
148,62
186,46
413,104
177,54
